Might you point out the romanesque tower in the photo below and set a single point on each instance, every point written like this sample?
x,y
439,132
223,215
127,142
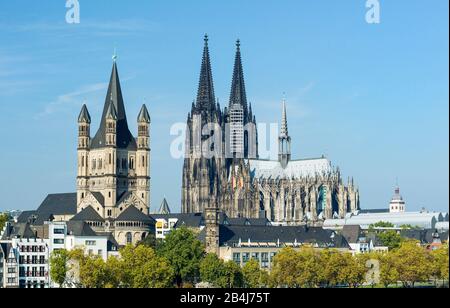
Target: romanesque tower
x,y
113,166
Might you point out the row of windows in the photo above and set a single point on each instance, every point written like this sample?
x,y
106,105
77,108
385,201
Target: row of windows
x,y
265,258
33,248
32,260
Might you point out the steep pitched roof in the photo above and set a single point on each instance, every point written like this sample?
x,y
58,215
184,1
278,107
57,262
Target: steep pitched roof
x,y
164,209
125,139
79,228
88,214
352,233
133,214
99,197
144,116
84,116
25,216
55,204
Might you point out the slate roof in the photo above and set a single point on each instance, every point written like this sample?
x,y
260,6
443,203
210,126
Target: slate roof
x,y
25,216
423,236
352,233
56,204
144,116
164,209
125,139
79,228
18,230
88,214
84,116
232,235
133,214
192,220
99,197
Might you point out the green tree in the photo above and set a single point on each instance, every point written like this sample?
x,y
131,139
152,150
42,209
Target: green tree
x,y
381,224
151,241
440,263
388,269
412,263
3,219
253,276
233,277
390,239
142,268
307,268
93,273
184,252
354,271
284,269
59,266
212,269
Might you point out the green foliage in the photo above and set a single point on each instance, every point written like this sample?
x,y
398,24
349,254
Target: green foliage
x,y
253,276
381,224
151,241
412,263
219,273
3,219
440,263
184,252
390,239
142,268
59,266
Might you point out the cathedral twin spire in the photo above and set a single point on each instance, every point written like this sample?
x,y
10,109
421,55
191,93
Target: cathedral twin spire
x,y
205,97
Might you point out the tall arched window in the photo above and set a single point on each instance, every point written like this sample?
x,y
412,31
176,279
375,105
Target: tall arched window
x,y
129,238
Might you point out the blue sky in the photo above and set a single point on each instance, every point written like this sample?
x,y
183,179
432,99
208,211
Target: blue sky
x,y
373,98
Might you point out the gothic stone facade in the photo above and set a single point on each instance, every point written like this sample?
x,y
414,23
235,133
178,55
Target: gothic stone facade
x,y
234,179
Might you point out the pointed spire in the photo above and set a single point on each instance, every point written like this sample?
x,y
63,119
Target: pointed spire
x,y
284,123
205,96
114,96
238,94
144,116
84,116
164,209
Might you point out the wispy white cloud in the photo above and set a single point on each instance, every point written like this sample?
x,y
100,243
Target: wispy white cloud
x,y
75,97
70,98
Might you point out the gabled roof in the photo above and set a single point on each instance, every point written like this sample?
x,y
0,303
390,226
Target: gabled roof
x,y
133,214
125,139
79,228
56,204
88,214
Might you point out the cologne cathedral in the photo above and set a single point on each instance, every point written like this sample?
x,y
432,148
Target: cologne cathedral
x,y
222,169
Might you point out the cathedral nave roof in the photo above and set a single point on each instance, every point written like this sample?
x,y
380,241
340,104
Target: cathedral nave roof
x,y
296,169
